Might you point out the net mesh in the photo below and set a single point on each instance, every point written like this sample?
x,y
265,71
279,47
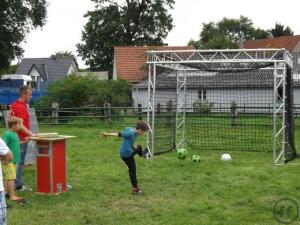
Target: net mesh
x,y
229,100
230,111
224,110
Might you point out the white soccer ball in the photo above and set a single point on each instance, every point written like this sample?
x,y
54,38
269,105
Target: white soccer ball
x,y
226,157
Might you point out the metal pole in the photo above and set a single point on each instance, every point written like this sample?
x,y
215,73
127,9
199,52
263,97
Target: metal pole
x,y
184,109
284,114
149,109
176,116
153,110
274,113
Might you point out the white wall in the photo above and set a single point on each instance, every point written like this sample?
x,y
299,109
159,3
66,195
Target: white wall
x,y
296,95
72,69
222,98
115,72
243,97
140,96
35,75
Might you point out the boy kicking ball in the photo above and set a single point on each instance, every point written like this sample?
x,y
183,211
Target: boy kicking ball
x,y
128,150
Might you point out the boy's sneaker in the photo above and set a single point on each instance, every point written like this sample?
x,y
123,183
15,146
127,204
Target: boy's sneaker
x,y
136,190
23,188
139,150
146,153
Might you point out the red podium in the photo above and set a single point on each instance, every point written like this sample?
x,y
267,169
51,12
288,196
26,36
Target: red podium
x,y
51,168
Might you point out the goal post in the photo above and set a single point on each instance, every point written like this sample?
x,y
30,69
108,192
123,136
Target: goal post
x,y
238,99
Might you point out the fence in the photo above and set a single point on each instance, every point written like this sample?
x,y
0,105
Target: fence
x,y
109,114
88,115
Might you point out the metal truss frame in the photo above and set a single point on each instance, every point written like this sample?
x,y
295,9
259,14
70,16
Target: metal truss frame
x,y
279,114
181,102
184,61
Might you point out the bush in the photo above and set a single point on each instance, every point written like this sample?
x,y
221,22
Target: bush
x,y
202,106
76,91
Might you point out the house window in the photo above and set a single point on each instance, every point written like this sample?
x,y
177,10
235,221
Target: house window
x,y
202,94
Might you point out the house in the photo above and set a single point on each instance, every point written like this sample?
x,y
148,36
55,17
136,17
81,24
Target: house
x,y
130,62
215,88
102,75
47,69
290,43
254,88
252,91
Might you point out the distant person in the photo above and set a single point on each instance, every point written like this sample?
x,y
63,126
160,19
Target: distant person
x,y
11,139
20,109
5,156
128,150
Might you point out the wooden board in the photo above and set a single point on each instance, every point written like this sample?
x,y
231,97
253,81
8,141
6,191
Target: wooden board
x,y
59,137
47,135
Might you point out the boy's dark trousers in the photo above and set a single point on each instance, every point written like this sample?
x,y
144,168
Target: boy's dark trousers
x,y
130,162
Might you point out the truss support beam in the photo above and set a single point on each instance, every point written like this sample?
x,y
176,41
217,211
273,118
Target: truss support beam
x,y
151,108
184,61
279,114
181,102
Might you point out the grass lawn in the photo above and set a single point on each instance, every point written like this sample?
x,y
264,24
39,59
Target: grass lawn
x,y
175,192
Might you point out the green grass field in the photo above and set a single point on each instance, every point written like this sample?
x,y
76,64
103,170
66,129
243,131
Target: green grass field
x,y
175,192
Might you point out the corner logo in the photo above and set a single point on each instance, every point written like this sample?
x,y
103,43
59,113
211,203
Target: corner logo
x,y
286,211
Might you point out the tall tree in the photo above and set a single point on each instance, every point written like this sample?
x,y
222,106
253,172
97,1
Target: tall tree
x,y
280,30
63,54
227,33
127,22
17,18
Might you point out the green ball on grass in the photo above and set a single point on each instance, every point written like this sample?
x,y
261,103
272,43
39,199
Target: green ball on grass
x,y
182,153
196,158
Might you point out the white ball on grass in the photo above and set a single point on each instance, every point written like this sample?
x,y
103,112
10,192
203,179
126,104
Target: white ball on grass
x,y
226,157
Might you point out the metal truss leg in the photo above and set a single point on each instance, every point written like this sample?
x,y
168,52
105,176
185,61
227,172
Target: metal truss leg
x,y
181,102
279,114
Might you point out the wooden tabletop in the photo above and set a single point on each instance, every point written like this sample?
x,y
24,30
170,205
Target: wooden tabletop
x,y
58,138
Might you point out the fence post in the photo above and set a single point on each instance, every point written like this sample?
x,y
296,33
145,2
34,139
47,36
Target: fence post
x,y
55,114
234,113
158,108
107,112
169,108
140,112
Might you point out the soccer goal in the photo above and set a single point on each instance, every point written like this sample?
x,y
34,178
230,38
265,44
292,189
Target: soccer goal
x,y
221,100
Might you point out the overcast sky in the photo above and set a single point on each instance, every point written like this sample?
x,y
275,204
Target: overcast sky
x,y
65,21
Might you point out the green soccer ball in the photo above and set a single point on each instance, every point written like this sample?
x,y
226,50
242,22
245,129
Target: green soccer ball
x,y
181,153
196,158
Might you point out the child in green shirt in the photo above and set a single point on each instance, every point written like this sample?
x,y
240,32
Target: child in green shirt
x,y
11,139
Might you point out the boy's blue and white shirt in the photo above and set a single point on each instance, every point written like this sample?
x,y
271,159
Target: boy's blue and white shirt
x,y
129,135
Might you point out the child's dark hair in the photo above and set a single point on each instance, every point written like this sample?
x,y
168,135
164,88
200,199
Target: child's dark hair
x,y
141,125
13,121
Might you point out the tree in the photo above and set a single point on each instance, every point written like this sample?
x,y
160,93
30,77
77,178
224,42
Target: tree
x,y
10,70
76,91
280,30
17,18
63,54
227,33
131,22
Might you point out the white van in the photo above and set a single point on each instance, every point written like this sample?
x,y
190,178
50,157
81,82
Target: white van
x,y
27,80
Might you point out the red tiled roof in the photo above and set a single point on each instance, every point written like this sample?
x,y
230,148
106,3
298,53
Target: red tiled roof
x,y
287,42
131,61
